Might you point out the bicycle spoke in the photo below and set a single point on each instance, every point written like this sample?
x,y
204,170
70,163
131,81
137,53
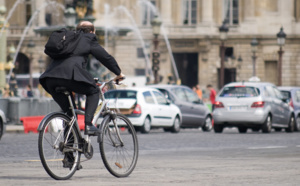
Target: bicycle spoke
x,y
57,152
119,149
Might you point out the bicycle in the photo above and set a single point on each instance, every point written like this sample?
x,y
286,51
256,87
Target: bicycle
x,y
60,138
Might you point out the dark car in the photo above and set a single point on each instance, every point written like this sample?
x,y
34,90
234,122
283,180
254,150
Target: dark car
x,y
2,121
194,112
293,94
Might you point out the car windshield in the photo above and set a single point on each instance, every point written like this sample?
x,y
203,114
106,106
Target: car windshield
x,y
286,94
239,91
124,94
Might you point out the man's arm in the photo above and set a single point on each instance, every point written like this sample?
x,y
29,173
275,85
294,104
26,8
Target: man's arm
x,y
105,58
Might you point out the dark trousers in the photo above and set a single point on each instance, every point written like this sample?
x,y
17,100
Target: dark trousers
x,y
91,92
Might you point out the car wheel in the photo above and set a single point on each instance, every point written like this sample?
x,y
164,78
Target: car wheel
x,y
218,128
176,125
297,124
291,125
267,125
146,126
207,125
278,129
242,129
255,129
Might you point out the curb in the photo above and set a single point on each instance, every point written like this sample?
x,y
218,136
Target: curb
x,y
14,129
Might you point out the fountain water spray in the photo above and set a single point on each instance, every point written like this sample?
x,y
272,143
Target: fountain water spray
x,y
140,38
26,30
10,14
164,33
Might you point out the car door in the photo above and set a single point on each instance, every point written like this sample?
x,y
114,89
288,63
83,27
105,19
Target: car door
x,y
197,108
283,108
184,105
150,106
164,112
273,103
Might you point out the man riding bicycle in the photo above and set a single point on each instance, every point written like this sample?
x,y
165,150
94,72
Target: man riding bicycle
x,y
71,73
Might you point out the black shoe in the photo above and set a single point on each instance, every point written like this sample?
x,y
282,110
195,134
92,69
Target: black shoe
x,y
68,163
91,130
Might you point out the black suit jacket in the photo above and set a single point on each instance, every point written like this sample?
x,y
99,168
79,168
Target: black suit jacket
x,y
74,67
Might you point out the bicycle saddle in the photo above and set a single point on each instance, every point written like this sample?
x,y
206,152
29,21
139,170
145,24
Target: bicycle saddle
x,y
62,90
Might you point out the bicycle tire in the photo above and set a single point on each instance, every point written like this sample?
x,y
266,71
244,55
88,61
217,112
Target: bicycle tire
x,y
119,160
1,128
52,150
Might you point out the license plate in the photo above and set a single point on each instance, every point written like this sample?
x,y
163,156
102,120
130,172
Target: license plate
x,y
237,108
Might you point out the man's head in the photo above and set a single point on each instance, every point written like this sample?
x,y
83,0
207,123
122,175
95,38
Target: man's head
x,y
86,27
209,86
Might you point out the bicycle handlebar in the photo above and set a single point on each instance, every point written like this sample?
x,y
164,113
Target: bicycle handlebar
x,y
115,80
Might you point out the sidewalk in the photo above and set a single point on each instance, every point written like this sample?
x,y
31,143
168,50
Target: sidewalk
x,y
11,128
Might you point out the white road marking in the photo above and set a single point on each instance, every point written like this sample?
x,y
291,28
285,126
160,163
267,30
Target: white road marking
x,y
267,147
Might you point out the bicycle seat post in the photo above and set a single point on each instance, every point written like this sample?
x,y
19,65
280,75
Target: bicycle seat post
x,y
71,105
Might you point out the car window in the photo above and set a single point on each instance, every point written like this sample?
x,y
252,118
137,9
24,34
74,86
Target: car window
x,y
166,94
148,97
191,95
120,94
160,98
179,92
297,95
277,93
240,91
269,92
286,94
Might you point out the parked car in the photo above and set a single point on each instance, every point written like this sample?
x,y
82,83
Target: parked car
x,y
293,94
146,108
2,122
194,112
255,105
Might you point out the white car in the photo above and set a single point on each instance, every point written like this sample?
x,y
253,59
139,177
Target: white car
x,y
146,108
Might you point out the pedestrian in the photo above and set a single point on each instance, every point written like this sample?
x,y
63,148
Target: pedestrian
x,y
71,73
212,95
198,91
13,84
29,92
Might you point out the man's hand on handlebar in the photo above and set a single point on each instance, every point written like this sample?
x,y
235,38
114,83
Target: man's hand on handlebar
x,y
119,78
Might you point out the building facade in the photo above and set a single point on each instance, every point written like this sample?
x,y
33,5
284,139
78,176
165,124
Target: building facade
x,y
189,39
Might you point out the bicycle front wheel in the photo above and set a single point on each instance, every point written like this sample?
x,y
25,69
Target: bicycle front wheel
x,y
1,128
119,146
57,147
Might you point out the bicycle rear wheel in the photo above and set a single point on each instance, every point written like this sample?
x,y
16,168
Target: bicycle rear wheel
x,y
119,155
59,159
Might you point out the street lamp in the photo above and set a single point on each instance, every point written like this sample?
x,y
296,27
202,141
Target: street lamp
x,y
30,47
70,17
223,36
281,41
254,44
11,51
155,23
41,64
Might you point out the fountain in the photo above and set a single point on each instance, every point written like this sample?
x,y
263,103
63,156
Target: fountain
x,y
164,33
36,12
140,38
11,11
